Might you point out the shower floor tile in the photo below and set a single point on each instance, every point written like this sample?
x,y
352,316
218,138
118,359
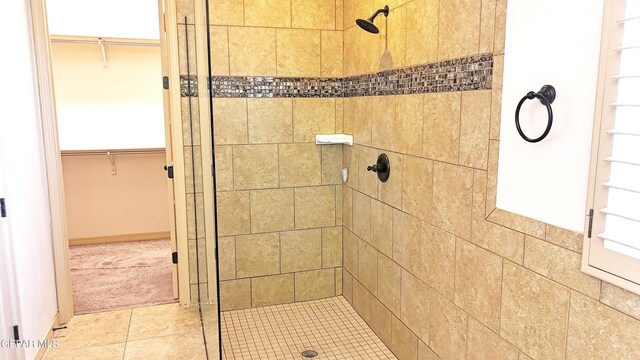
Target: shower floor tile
x,y
330,327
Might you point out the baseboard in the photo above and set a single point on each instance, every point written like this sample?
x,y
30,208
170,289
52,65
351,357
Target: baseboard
x,y
43,350
120,238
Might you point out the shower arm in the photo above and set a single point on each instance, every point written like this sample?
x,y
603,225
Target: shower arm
x,y
384,11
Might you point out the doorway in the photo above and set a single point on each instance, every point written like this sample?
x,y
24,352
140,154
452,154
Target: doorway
x,y
114,143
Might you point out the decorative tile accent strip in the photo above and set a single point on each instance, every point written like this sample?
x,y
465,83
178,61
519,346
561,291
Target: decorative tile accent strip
x,y
464,74
188,85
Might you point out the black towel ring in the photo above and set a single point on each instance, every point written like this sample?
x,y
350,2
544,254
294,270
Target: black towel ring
x,y
546,95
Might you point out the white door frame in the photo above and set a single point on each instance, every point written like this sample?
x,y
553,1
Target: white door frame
x,y
53,158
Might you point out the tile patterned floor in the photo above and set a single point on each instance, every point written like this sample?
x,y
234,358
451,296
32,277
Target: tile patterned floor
x,y
329,326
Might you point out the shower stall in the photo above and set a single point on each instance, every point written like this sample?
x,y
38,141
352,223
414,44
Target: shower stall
x,y
299,249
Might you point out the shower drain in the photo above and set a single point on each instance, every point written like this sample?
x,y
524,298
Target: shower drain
x,y
309,354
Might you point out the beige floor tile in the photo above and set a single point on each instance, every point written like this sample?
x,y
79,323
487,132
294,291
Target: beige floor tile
x,y
163,320
95,329
104,352
176,347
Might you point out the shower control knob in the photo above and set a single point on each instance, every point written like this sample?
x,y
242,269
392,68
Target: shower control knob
x,y
381,167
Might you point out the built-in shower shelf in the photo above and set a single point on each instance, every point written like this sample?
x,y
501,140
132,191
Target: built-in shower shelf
x,y
333,139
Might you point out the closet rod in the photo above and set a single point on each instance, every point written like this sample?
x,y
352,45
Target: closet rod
x,y
112,152
105,41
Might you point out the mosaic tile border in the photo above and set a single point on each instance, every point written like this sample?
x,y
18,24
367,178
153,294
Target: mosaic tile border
x,y
188,85
463,74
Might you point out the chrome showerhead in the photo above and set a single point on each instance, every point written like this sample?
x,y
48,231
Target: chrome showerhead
x,y
368,25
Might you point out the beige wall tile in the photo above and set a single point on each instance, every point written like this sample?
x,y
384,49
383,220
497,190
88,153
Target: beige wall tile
x,y
361,300
487,26
269,13
393,39
235,294
492,177
382,227
227,12
356,9
332,247
315,207
227,258
257,254
560,265
340,115
187,125
271,290
459,28
219,50
230,123
534,313
409,122
312,285
311,117
362,215
313,14
518,222
383,122
339,281
331,54
389,283
270,120
567,239
193,169
381,320
339,14
224,168
496,97
253,166
339,205
185,8
194,276
407,242
484,344
500,26
272,210
438,248
350,159
448,328
362,120
623,300
415,305
474,129
442,126
347,207
422,22
233,213
182,47
195,225
298,52
351,250
368,180
368,267
452,198
404,343
301,250
478,288
499,239
425,353
252,51
347,286
300,164
417,187
390,192
599,332
332,165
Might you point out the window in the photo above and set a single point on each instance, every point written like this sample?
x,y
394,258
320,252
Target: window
x,y
612,240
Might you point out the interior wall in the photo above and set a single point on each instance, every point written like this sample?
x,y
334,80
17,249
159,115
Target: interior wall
x,y
119,107
279,195
430,263
557,167
25,180
134,201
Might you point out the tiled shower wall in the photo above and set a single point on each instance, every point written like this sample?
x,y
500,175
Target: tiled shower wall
x,y
279,195
430,263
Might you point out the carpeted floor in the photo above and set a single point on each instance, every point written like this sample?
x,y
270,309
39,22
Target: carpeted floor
x,y
121,275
